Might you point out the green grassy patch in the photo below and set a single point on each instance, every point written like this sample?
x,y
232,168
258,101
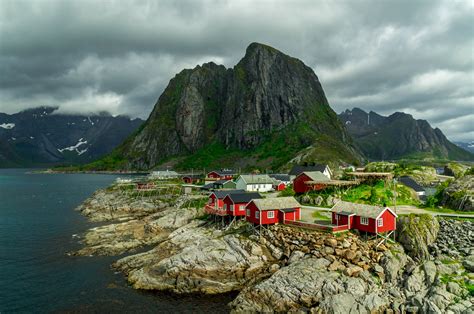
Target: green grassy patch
x,y
320,216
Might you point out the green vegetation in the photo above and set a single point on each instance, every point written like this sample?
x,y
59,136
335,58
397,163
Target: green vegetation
x,y
380,193
197,203
435,199
321,216
288,191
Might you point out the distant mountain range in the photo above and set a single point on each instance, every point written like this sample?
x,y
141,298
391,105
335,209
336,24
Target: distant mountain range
x,y
466,146
399,136
40,137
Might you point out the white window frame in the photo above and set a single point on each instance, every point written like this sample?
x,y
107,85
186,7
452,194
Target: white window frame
x,y
364,221
380,222
248,212
257,214
270,214
241,207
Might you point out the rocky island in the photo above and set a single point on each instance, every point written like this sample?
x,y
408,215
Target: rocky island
x,y
429,270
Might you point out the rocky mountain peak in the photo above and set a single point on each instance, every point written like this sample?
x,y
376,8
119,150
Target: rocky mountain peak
x,y
241,108
375,136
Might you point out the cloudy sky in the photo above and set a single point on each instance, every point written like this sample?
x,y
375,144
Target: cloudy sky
x,y
386,56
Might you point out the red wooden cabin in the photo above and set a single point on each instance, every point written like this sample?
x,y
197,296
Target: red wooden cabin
x,y
362,217
191,179
235,203
301,182
268,211
215,204
225,174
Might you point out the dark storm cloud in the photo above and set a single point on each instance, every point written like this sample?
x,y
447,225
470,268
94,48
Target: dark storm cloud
x,y
386,56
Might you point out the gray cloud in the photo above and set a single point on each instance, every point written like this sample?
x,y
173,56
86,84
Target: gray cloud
x,y
386,56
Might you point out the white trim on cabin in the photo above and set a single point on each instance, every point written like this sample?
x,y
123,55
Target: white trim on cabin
x,y
272,214
364,221
383,211
379,222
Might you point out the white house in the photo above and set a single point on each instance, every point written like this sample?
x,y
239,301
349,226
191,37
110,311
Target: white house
x,y
163,175
254,183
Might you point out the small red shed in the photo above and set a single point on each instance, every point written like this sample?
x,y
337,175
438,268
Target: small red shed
x,y
268,211
280,186
368,218
235,203
300,183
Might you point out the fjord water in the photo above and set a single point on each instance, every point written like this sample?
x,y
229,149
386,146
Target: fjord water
x,y
37,221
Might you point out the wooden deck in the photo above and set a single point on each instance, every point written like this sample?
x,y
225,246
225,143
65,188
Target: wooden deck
x,y
213,211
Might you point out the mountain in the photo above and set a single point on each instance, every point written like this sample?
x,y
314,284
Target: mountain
x,y
265,111
466,146
40,137
398,136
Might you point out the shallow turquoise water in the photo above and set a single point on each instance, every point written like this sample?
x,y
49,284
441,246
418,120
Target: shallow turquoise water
x,y
37,221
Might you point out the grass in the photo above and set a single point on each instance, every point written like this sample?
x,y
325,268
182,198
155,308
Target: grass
x,y
447,211
198,203
319,216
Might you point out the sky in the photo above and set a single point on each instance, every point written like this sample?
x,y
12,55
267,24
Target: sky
x,y
118,56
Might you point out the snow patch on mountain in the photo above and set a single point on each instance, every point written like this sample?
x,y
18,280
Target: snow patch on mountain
x,y
7,126
75,147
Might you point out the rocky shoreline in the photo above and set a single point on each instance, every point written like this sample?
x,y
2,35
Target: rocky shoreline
x,y
283,268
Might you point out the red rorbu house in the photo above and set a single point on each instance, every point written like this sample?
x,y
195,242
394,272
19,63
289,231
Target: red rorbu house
x,y
235,203
215,204
191,178
362,217
225,174
301,184
268,211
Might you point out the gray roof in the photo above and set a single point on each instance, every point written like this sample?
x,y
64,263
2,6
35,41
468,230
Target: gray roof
x,y
316,176
224,193
276,203
257,178
362,210
244,197
297,169
280,177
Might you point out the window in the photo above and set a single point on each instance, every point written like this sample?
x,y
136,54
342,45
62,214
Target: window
x,y
364,220
225,206
271,214
242,207
380,222
248,212
257,214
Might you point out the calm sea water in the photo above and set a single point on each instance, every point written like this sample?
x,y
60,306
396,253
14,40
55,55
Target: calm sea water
x,y
37,221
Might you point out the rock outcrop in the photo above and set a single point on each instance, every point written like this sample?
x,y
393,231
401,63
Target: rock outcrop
x,y
197,259
416,233
268,99
459,194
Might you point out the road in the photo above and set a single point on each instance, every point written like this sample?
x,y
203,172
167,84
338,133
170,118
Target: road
x,y
307,212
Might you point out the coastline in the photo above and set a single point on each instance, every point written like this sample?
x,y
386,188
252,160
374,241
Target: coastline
x,y
285,269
